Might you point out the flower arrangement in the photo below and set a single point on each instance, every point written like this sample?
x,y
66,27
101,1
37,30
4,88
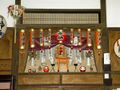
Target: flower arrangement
x,y
15,11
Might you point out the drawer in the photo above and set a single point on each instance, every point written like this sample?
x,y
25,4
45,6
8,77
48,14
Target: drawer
x,y
38,79
82,79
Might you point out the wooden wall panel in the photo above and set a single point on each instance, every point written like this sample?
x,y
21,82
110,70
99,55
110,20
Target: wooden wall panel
x,y
116,79
113,87
114,34
63,88
85,88
6,45
5,64
36,88
82,79
38,79
6,52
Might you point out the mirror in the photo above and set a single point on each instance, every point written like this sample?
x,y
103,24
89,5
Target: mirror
x,y
117,47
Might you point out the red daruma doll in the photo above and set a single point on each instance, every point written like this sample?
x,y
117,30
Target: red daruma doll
x,y
46,69
82,69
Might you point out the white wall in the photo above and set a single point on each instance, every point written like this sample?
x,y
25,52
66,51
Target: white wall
x,y
3,11
113,13
113,8
62,4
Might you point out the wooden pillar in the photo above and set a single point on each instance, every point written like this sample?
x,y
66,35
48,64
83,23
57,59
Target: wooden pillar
x,y
105,44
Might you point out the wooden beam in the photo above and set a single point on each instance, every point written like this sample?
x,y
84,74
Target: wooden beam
x,y
18,2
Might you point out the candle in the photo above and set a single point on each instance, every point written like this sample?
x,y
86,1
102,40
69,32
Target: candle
x,y
32,44
22,39
89,41
42,40
98,39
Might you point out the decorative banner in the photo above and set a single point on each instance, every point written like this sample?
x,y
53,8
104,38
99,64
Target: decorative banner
x,y
3,26
89,41
80,37
22,39
32,42
98,39
72,35
76,41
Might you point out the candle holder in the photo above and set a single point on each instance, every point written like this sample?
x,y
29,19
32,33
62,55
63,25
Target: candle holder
x,y
75,65
53,68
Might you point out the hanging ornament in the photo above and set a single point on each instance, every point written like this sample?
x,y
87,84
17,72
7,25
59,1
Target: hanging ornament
x,y
79,56
32,58
80,37
32,42
75,41
88,57
40,35
60,36
41,38
49,38
89,41
22,39
98,38
72,36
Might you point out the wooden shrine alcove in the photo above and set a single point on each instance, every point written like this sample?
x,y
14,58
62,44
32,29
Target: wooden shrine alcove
x,y
58,80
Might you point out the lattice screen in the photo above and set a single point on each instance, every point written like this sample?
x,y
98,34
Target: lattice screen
x,y
61,18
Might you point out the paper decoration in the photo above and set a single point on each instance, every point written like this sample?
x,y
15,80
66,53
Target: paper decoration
x,y
72,36
106,58
80,37
106,76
